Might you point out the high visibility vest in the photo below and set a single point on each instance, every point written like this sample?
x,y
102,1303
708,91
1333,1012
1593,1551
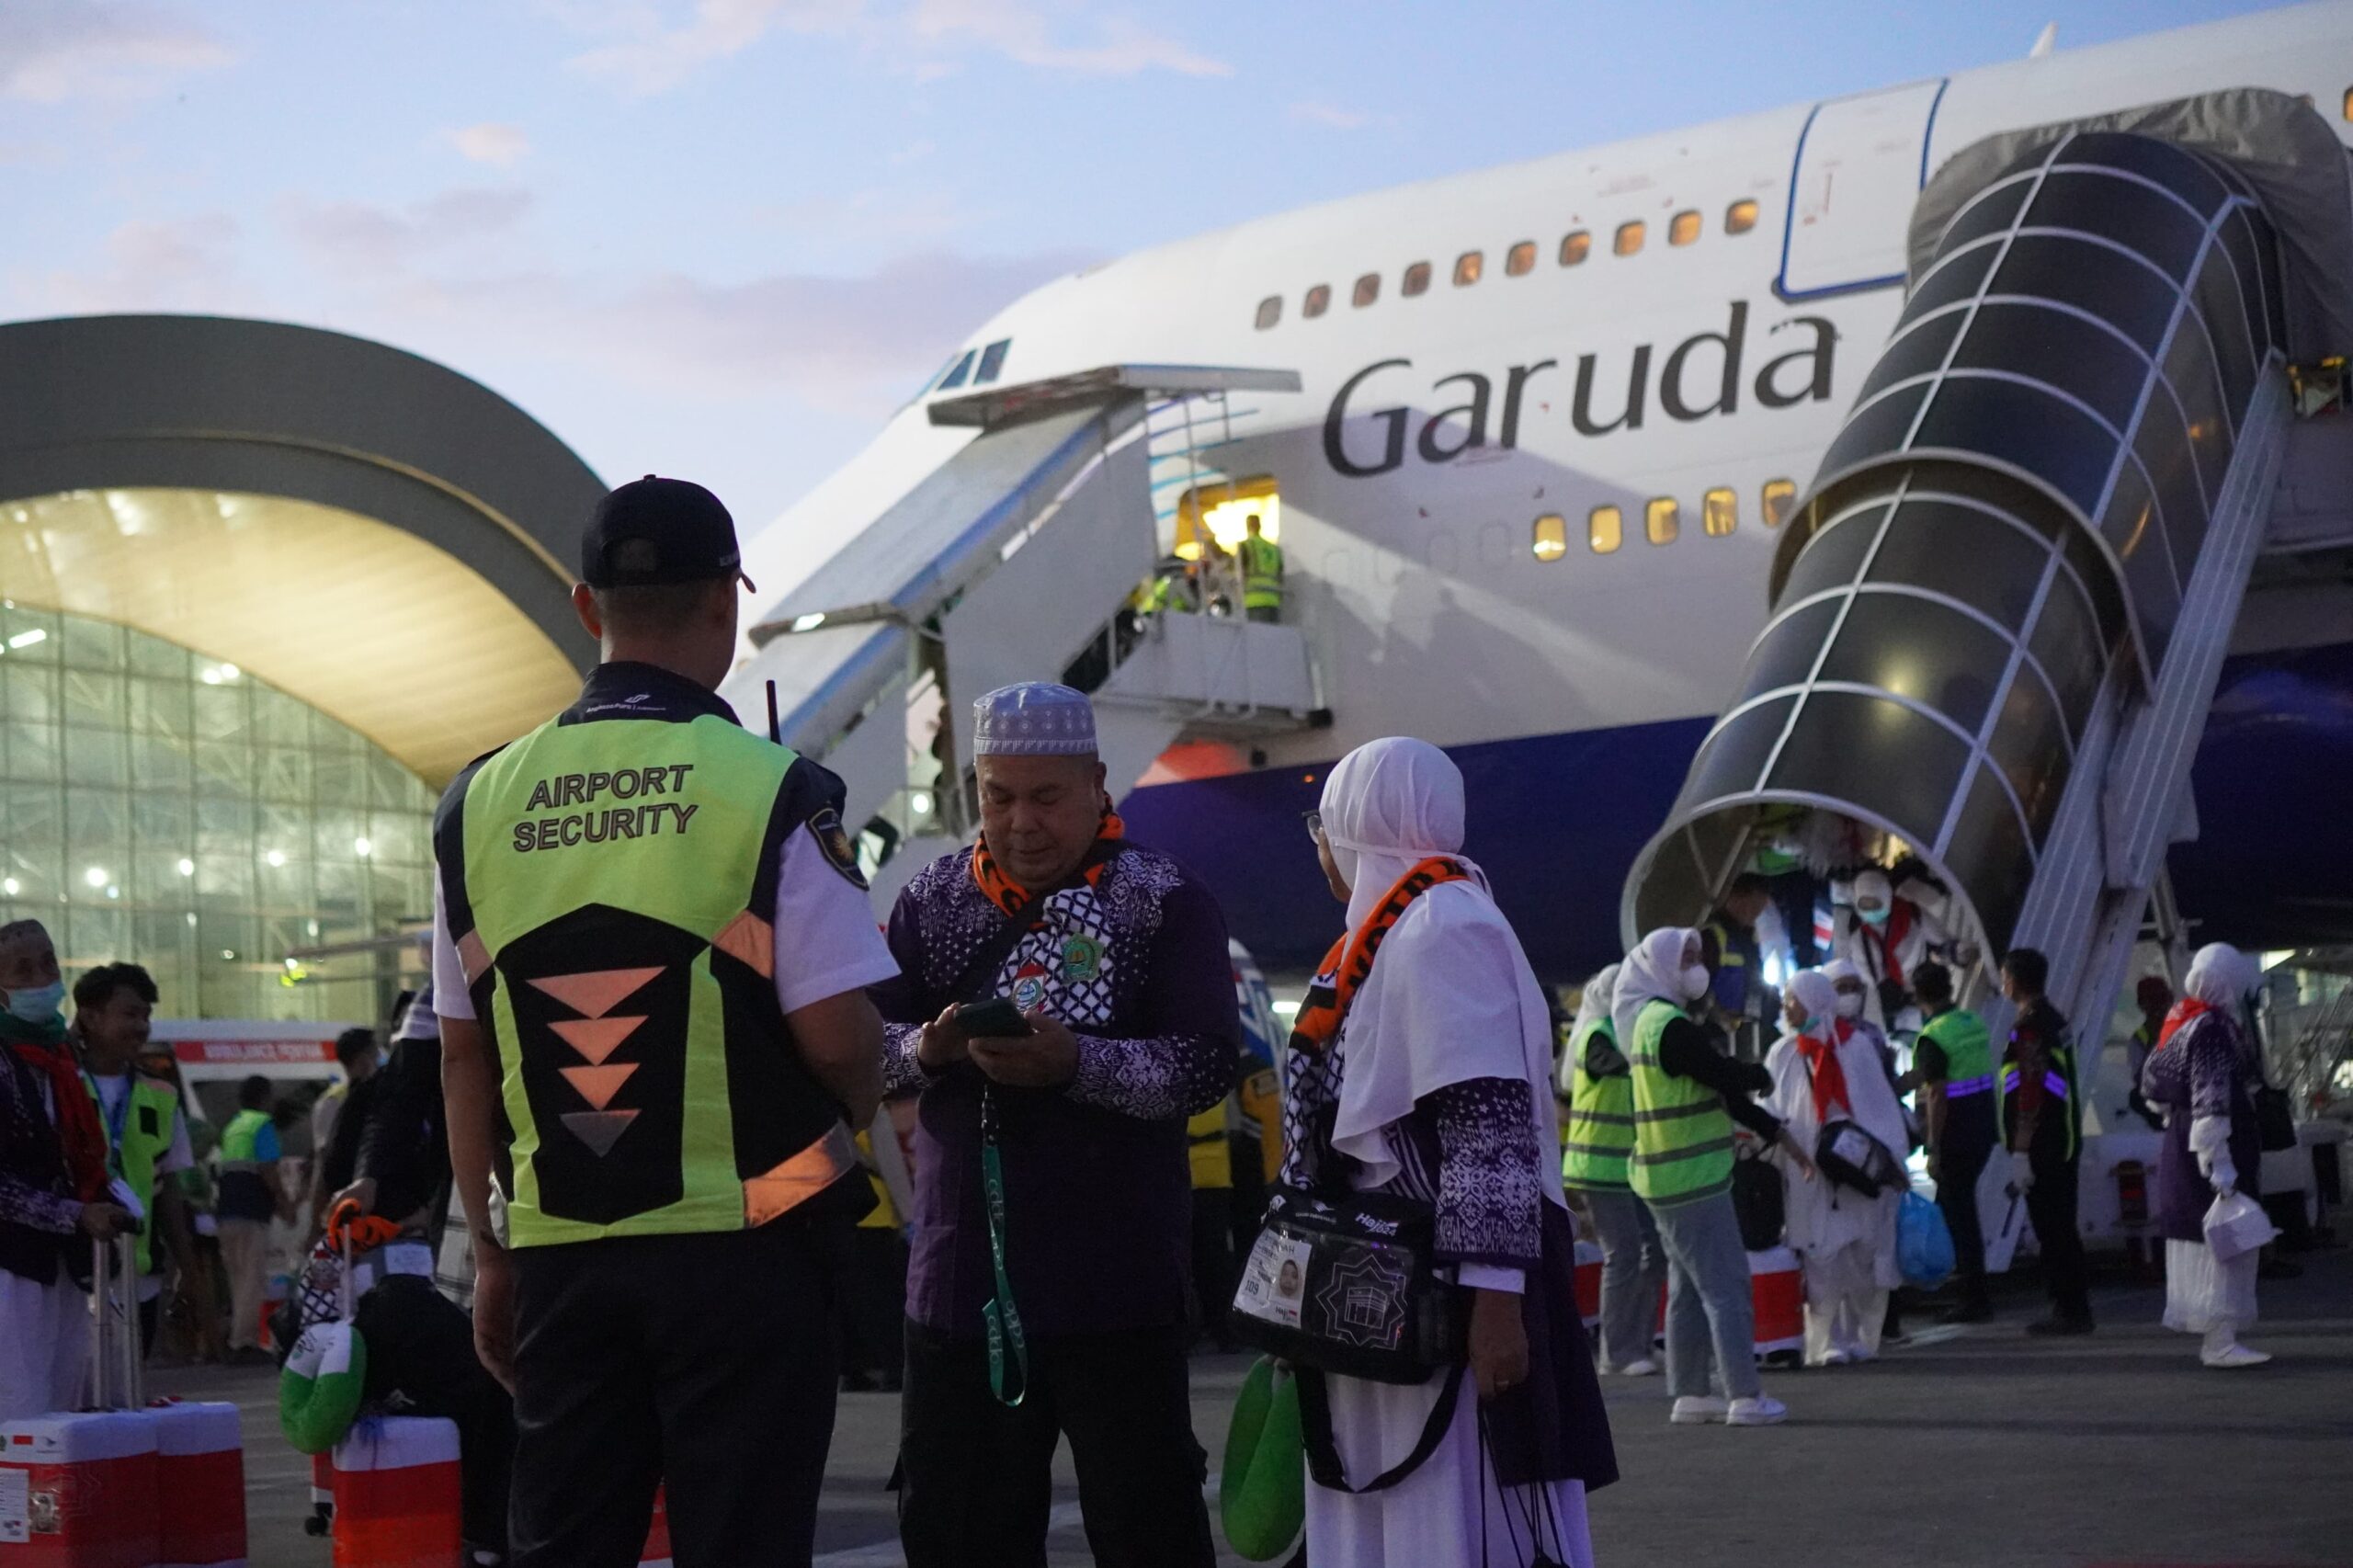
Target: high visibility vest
x,y
610,883
144,1138
1211,1152
1262,573
2059,1082
1600,1139
884,1215
242,1187
1682,1132
1968,1056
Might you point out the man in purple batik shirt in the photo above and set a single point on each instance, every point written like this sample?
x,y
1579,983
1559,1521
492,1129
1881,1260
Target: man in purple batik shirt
x,y
1116,958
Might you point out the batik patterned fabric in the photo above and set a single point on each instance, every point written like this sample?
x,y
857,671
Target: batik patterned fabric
x,y
1098,1185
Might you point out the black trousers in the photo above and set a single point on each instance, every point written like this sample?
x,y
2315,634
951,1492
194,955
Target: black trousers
x,y
1960,1164
2051,1203
1213,1278
704,1363
976,1479
874,1303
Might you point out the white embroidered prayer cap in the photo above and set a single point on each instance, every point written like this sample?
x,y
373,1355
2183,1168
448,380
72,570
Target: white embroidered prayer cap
x,y
1034,718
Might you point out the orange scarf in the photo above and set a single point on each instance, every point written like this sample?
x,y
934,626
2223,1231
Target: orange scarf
x,y
1009,895
1824,1074
1351,957
2184,1012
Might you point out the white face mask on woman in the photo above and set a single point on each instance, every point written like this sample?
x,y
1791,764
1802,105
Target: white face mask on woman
x,y
1694,982
1850,1003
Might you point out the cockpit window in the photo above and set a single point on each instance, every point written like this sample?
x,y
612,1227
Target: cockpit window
x,y
991,361
955,378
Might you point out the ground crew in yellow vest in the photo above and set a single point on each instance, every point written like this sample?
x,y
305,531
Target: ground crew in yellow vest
x,y
1597,1150
651,952
1959,1098
146,1130
1688,1095
1262,572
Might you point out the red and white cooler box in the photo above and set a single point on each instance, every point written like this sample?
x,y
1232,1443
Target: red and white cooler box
x,y
397,1494
657,1539
79,1491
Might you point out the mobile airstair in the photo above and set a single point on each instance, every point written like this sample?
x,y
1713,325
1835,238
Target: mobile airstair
x,y
2001,610
1017,560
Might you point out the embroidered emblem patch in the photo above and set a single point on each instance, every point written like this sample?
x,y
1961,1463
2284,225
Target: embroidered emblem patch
x,y
1028,987
1082,960
835,840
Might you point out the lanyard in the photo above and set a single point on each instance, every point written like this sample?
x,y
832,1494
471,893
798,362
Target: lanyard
x,y
118,1120
1001,1317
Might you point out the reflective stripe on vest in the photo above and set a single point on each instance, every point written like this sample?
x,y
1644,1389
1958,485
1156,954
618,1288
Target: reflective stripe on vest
x,y
1968,1056
2059,1082
1960,1088
625,974
143,1138
1262,573
1600,1141
1682,1132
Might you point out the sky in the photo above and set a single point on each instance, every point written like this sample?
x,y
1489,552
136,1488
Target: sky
x,y
726,238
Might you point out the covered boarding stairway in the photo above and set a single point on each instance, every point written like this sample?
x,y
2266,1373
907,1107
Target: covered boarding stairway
x,y
2001,611
1016,560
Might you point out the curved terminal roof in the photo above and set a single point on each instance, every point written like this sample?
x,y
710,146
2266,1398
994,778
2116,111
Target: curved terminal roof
x,y
370,531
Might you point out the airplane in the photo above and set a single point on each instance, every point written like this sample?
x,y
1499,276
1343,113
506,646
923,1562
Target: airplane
x,y
1550,421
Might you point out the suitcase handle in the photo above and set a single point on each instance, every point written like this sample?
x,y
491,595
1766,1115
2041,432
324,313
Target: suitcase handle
x,y
114,1351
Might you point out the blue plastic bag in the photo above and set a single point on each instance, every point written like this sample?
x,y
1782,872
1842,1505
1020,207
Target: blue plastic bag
x,y
1923,1244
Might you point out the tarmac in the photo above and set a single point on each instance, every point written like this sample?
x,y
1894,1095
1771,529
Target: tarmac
x,y
1973,1446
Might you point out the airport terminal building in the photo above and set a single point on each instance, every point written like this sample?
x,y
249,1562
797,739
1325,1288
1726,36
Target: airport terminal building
x,y
264,590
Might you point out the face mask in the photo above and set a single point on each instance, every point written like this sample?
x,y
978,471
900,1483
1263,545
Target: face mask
x,y
37,1004
1694,982
1850,1003
1873,916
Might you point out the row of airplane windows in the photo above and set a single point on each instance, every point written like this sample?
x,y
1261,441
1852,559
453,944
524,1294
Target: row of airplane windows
x,y
1605,526
1576,245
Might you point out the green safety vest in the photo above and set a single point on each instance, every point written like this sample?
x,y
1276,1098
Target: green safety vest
x,y
145,1137
609,881
1968,1056
1262,573
1682,1132
2059,1082
237,1142
1600,1140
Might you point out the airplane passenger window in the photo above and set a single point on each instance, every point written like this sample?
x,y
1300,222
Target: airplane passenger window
x,y
1318,301
1604,529
955,378
1781,499
1270,310
1550,540
991,361
1660,523
1630,238
1719,513
1740,217
1683,228
1416,280
1467,267
1575,246
1367,291
1520,258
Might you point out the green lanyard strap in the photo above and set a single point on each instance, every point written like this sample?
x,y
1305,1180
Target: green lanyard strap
x,y
1002,1318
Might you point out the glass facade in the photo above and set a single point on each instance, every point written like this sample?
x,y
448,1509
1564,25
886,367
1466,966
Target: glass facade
x,y
172,810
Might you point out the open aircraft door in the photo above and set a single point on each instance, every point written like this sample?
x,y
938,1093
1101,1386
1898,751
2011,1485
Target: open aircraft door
x,y
1860,164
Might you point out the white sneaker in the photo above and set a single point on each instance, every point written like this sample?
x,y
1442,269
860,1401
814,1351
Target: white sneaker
x,y
2233,1356
1758,1412
1835,1358
1644,1367
1698,1410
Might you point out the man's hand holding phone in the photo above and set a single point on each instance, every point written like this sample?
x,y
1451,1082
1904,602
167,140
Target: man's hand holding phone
x,y
1045,1057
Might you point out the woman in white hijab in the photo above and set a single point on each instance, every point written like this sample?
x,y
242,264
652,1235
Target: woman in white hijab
x,y
1429,1076
1827,1068
2202,1075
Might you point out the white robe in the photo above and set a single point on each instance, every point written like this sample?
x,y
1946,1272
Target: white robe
x,y
1844,1242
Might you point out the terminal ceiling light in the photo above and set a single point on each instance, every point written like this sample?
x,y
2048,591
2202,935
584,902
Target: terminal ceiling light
x,y
1287,1008
96,877
187,867
9,885
920,802
275,857
229,955
809,623
26,638
362,847
113,892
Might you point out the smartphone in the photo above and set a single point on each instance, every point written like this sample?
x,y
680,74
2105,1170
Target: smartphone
x,y
996,1019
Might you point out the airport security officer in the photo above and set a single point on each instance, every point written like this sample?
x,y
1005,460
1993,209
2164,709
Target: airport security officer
x,y
1262,573
651,952
1958,1093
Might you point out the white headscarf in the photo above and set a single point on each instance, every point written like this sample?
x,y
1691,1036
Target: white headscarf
x,y
1813,990
1838,970
2220,976
1450,996
1653,971
1593,1004
1873,885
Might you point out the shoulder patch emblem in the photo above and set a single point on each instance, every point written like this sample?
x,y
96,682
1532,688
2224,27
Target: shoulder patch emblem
x,y
840,849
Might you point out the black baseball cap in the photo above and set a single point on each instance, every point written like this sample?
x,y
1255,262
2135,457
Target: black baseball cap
x,y
659,530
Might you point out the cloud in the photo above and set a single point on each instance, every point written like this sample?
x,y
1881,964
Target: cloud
x,y
1019,30
490,143
914,151
648,55
1330,115
365,237
53,51
651,58
173,263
